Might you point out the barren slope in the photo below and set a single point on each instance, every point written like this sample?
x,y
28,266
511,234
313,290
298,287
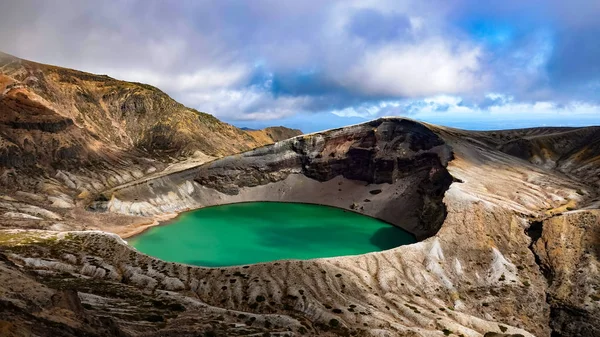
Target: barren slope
x,y
55,118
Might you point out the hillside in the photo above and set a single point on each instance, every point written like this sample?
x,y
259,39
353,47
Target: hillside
x,y
53,117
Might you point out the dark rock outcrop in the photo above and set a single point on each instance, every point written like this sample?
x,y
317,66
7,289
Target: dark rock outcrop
x,y
384,151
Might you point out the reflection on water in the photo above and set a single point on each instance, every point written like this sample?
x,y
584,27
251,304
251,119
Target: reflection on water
x,y
245,233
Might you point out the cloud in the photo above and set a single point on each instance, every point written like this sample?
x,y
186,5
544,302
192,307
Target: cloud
x,y
413,70
247,104
201,80
549,46
268,59
375,26
497,107
371,110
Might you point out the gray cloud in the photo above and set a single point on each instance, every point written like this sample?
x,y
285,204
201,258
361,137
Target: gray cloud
x,y
268,59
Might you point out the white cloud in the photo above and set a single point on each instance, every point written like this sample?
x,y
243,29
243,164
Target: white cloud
x,y
209,78
543,108
368,110
416,23
443,107
420,69
443,100
496,96
253,103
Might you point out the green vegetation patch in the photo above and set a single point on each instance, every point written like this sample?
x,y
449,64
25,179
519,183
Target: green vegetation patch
x,y
17,238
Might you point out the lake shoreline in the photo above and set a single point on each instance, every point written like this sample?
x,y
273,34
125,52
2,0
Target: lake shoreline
x,y
255,232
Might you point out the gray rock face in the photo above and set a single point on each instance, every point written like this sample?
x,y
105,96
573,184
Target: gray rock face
x,y
381,151
401,162
568,251
384,151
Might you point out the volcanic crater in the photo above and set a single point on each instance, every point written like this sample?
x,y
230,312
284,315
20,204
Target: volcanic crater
x,y
508,222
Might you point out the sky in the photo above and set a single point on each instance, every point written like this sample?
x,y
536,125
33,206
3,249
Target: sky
x,y
316,65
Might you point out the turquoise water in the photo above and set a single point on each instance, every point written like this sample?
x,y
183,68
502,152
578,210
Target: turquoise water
x,y
245,233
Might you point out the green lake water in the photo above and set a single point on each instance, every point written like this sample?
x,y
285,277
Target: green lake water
x,y
245,233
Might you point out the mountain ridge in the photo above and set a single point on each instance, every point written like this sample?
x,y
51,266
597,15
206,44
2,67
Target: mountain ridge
x,y
128,116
